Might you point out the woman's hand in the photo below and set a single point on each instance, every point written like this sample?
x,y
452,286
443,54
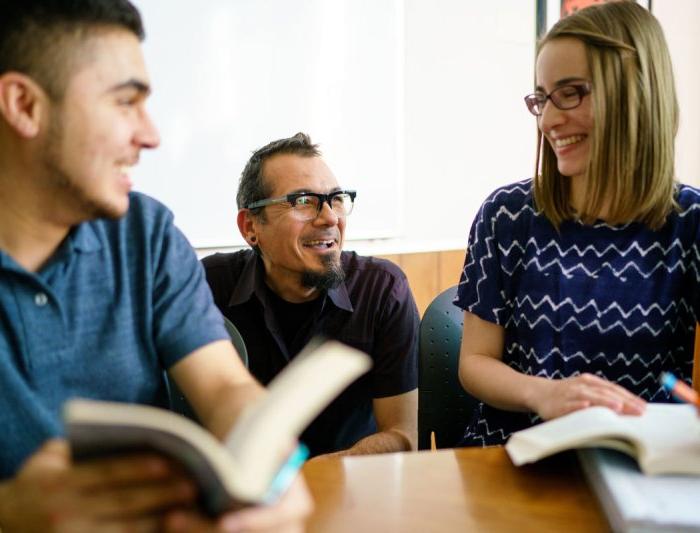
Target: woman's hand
x,y
558,397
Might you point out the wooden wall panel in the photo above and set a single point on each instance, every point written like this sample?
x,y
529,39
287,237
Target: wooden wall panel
x,y
429,273
422,272
395,258
450,268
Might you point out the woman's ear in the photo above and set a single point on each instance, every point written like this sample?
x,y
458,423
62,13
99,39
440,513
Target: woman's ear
x,y
22,103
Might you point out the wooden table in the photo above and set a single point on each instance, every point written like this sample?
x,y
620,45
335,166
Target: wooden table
x,y
461,490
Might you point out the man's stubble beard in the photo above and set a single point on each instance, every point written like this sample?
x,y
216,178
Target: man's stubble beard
x,y
62,182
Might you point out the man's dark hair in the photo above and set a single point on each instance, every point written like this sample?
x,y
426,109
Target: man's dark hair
x,y
252,186
38,37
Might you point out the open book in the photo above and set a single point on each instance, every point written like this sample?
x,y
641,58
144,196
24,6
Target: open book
x,y
664,440
253,465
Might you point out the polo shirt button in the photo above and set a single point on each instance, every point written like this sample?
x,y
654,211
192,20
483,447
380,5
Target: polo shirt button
x,y
41,299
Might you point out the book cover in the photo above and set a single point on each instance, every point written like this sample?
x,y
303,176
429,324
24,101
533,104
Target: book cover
x,y
636,503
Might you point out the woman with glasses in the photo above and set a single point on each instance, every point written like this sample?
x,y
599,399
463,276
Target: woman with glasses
x,y
580,287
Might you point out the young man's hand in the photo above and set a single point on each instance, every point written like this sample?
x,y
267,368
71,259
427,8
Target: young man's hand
x,y
120,494
288,515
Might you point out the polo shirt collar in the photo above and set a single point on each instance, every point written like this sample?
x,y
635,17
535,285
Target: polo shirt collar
x,y
252,280
83,238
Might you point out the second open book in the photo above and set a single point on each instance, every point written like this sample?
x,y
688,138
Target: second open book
x,y
664,440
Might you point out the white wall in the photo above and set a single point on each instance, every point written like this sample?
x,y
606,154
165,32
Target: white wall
x,y
467,130
229,76
680,20
461,142
462,126
419,103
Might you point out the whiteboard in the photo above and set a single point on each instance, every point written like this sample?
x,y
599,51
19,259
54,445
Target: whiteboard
x,y
229,76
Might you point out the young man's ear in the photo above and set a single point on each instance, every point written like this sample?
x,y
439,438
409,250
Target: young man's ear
x,y
22,103
247,226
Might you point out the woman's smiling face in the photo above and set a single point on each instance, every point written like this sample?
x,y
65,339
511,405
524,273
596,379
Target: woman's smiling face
x,y
563,62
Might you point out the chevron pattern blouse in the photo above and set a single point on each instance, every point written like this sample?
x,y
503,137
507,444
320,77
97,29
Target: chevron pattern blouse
x,y
620,302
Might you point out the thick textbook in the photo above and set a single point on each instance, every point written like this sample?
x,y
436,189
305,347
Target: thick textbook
x,y
664,440
635,503
253,464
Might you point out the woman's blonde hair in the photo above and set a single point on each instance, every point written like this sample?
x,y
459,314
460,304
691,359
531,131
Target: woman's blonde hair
x,y
635,114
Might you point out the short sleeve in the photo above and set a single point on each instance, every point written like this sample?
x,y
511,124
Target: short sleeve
x,y
184,315
480,289
396,342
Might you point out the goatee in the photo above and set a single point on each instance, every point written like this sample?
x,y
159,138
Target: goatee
x,y
330,277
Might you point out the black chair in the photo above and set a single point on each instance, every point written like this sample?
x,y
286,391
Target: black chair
x,y
443,405
237,340
178,402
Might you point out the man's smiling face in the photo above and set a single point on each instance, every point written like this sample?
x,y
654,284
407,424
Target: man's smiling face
x,y
97,130
293,249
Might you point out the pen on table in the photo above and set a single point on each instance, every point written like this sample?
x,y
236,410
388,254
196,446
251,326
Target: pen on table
x,y
679,389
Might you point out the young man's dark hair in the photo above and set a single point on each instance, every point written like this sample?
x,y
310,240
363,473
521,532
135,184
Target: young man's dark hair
x,y
252,185
37,37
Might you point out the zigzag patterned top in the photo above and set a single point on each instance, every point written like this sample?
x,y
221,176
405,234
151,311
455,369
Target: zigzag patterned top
x,y
617,301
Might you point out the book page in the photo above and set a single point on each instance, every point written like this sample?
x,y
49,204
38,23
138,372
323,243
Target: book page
x,y
670,438
570,431
666,438
268,428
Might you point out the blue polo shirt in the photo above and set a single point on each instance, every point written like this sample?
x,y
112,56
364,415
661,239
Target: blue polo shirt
x,y
119,302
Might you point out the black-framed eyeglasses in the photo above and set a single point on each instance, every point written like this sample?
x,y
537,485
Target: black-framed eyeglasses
x,y
564,97
308,205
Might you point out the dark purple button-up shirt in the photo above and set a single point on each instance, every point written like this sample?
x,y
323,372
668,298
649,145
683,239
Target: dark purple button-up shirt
x,y
373,310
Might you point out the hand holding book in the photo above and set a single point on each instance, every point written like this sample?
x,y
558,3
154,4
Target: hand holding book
x,y
246,469
50,492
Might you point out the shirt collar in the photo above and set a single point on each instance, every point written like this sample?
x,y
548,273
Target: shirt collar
x,y
249,281
340,297
83,238
252,280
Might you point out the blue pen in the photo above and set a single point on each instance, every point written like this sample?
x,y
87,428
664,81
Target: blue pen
x,y
287,473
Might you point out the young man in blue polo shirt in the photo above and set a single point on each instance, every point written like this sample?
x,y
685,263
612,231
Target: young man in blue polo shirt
x,y
296,282
99,292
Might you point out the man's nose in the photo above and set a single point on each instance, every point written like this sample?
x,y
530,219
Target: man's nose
x,y
148,136
327,215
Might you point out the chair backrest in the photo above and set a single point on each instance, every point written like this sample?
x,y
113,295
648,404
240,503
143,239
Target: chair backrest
x,y
178,402
237,340
443,405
